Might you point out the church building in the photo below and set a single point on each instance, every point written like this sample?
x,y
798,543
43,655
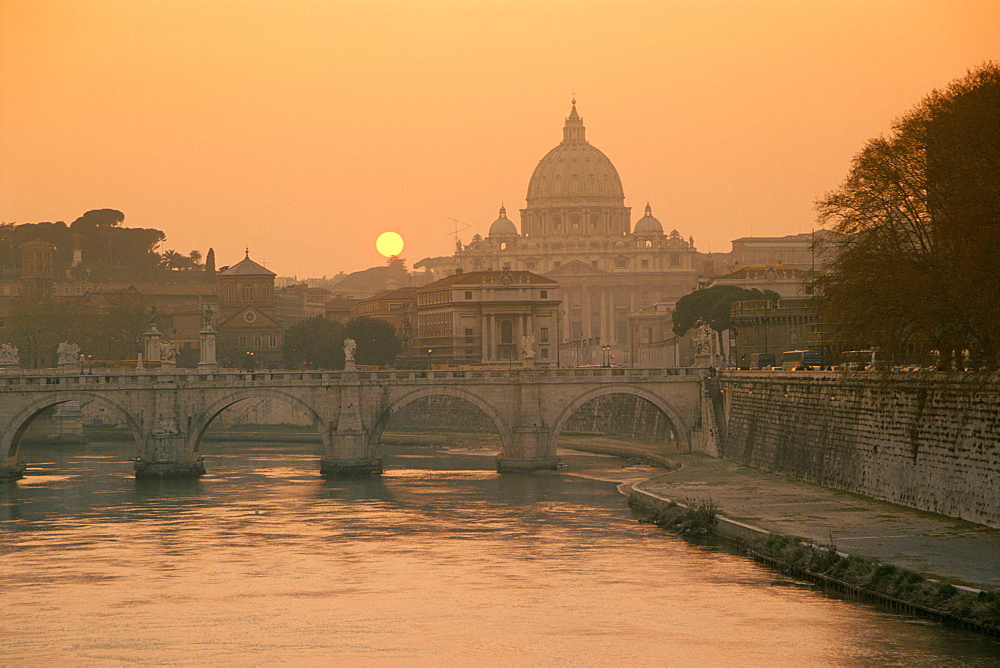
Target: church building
x,y
250,332
577,231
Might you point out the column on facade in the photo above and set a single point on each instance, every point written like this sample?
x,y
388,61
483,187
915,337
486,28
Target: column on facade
x,y
606,337
494,338
517,337
483,336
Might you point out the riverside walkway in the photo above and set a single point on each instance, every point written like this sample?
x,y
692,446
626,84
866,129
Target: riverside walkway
x,y
935,546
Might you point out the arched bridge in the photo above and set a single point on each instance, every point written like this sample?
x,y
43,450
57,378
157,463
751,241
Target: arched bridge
x,y
168,413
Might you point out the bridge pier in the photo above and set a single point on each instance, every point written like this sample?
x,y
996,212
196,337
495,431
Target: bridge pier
x,y
12,472
350,450
166,457
531,451
349,455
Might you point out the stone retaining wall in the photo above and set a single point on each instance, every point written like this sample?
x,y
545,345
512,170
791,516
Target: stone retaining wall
x,y
928,441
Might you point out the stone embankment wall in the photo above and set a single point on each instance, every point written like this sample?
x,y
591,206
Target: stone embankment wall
x,y
929,441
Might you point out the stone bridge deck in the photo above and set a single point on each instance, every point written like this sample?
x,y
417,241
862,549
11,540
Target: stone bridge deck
x,y
168,412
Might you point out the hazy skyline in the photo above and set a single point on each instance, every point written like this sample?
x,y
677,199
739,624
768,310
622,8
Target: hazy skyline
x,y
306,129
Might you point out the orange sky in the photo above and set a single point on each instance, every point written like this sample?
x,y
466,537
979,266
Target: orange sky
x,y
303,129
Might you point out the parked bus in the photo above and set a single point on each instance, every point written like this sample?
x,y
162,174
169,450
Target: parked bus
x,y
801,359
761,360
859,360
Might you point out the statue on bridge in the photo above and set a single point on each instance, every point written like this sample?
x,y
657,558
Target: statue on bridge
x,y
168,353
9,356
68,354
703,339
350,345
208,316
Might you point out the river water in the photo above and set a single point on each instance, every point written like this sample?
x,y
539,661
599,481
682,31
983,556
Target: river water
x,y
439,561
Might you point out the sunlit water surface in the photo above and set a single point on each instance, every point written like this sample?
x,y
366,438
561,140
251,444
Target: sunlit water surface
x,y
439,561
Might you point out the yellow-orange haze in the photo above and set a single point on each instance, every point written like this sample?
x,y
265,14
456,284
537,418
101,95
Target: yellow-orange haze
x,y
305,129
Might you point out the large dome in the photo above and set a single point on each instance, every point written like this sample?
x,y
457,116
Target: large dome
x,y
575,169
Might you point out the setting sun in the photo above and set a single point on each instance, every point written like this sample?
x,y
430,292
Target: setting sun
x,y
389,244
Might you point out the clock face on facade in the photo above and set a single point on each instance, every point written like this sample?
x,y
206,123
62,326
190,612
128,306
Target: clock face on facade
x,y
249,316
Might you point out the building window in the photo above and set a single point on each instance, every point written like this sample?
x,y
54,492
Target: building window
x,y
229,294
243,342
621,263
468,335
506,332
645,264
272,341
468,294
544,352
593,263
543,334
557,264
531,265
247,293
544,294
675,260
257,341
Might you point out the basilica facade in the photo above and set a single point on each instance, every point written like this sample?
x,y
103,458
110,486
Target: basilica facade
x,y
576,230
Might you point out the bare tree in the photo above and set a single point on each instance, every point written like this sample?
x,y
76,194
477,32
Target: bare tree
x,y
920,267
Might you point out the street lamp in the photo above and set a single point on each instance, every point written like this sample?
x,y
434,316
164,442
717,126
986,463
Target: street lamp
x,y
606,360
430,351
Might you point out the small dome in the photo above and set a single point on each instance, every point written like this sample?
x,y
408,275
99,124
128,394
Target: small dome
x,y
619,244
502,226
647,224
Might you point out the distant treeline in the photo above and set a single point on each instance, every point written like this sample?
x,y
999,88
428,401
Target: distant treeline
x,y
109,251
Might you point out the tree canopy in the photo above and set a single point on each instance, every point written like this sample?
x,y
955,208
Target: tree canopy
x,y
316,342
108,331
712,306
110,251
319,343
376,339
920,268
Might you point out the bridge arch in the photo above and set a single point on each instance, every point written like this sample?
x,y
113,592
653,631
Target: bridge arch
x,y
382,419
204,419
22,420
681,429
